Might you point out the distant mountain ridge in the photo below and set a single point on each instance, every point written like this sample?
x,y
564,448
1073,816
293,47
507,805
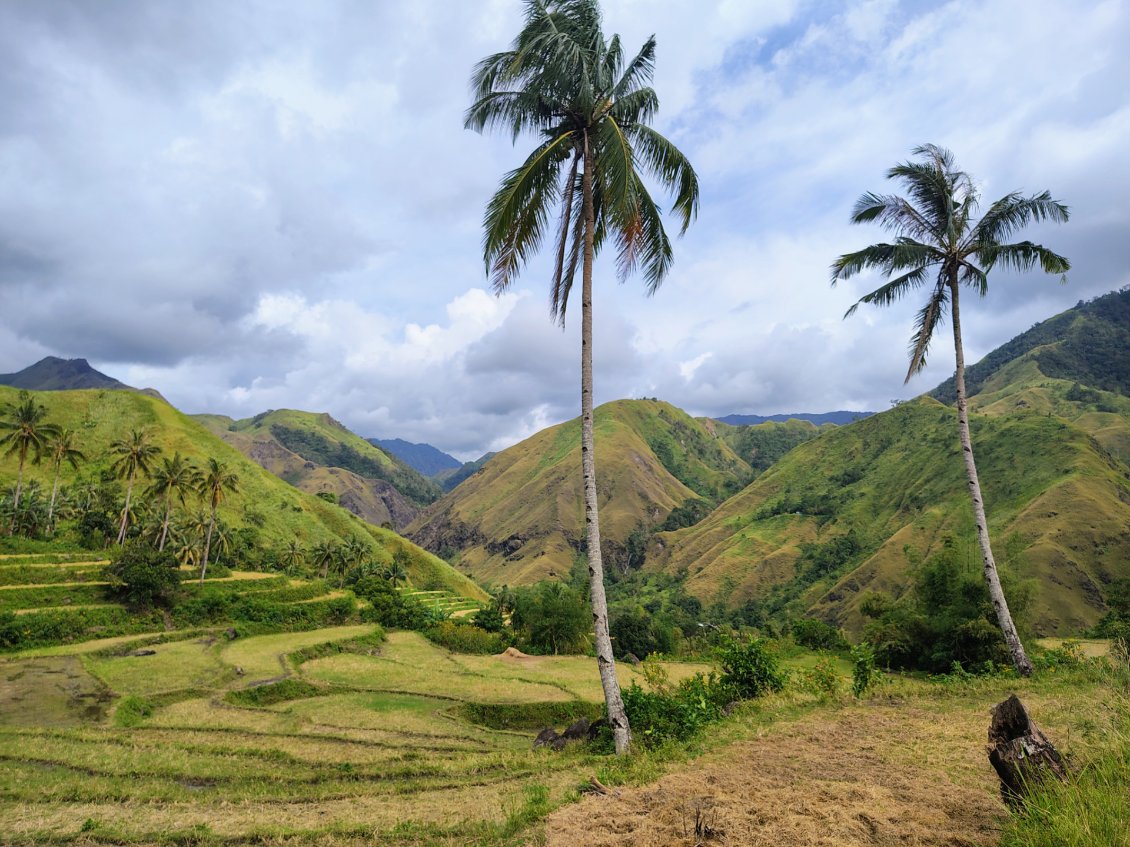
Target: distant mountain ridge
x,y
838,418
54,374
422,457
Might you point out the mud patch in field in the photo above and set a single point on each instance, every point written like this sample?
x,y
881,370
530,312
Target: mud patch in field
x,y
53,691
821,783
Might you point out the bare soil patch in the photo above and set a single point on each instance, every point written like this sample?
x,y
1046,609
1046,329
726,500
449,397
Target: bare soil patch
x,y
828,780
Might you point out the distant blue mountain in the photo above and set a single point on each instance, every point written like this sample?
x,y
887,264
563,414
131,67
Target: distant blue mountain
x,y
837,418
424,458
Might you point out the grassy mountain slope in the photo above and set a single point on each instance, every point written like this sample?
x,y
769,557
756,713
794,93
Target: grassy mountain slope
x,y
277,511
835,518
374,500
762,444
519,519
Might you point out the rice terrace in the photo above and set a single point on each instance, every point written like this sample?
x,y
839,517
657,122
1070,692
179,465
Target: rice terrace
x,y
256,605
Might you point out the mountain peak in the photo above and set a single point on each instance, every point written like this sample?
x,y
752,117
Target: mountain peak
x,y
52,373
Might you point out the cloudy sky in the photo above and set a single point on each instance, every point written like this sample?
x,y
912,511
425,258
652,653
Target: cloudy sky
x,y
262,205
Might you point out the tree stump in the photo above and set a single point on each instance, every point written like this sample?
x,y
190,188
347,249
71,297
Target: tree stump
x,y
1019,751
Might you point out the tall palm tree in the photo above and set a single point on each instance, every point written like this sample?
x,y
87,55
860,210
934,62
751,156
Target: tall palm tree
x,y
175,477
563,82
940,245
323,554
25,433
134,452
62,448
213,483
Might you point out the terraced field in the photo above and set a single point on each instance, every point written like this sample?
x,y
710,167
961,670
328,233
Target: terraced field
x,y
334,734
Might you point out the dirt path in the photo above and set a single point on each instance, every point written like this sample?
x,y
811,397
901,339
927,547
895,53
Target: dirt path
x,y
864,775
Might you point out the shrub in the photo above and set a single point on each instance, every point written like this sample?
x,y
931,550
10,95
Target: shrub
x,y
817,635
490,617
552,618
142,577
132,711
635,631
387,606
465,638
822,680
677,714
946,618
751,669
864,674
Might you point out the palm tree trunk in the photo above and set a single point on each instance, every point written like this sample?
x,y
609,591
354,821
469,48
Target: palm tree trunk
x,y
54,494
617,716
125,512
19,491
996,595
207,546
165,523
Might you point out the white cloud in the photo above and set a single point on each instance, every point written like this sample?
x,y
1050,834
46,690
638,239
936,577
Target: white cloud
x,y
270,208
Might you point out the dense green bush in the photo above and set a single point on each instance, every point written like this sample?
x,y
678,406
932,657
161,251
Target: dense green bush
x,y
490,617
465,638
551,618
636,631
817,635
751,668
946,618
143,577
674,713
389,607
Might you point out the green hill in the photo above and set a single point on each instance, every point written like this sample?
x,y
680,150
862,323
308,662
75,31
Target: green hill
x,y
519,518
265,508
365,491
843,515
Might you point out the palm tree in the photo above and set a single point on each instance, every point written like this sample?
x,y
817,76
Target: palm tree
x,y
562,81
26,432
293,557
62,448
134,453
218,479
351,554
940,245
322,555
177,477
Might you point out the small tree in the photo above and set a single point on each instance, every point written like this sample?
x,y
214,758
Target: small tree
x,y
143,577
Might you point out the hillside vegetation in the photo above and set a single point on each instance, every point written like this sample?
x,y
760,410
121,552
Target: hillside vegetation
x,y
268,513
317,454
519,519
850,513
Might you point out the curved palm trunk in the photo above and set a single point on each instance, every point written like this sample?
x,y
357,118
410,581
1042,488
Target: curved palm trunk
x,y
165,522
125,513
19,491
996,595
54,494
617,716
208,545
